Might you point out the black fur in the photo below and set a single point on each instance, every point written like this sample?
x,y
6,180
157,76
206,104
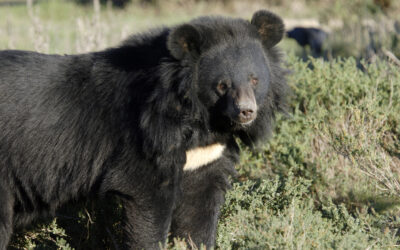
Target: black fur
x,y
120,121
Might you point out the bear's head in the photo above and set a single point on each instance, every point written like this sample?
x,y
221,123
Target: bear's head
x,y
236,70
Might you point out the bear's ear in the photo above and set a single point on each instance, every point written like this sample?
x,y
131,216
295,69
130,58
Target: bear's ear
x,y
270,27
183,40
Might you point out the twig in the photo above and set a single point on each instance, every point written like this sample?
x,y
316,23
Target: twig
x,y
391,56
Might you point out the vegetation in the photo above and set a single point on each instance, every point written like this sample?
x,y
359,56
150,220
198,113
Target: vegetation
x,y
328,177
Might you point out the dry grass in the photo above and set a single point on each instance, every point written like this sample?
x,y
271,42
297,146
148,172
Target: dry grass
x,y
37,31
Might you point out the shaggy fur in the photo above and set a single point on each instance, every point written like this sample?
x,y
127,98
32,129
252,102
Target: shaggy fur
x,y
122,120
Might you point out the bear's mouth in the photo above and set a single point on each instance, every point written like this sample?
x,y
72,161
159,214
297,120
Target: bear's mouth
x,y
247,123
244,120
243,124
237,124
223,121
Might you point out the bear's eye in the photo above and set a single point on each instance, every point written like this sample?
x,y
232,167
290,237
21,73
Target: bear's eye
x,y
254,81
222,87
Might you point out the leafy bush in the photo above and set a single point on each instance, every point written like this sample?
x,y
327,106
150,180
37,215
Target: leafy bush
x,y
281,214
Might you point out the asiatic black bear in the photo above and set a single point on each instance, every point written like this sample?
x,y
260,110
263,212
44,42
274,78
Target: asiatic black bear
x,y
153,121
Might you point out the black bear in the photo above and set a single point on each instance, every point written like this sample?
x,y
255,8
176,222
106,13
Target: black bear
x,y
153,121
312,37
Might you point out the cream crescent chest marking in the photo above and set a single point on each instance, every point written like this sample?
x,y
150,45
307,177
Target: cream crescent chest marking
x,y
201,156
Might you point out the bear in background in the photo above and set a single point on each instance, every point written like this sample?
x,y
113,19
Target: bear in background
x,y
313,37
152,121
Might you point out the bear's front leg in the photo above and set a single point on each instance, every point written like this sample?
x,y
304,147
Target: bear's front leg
x,y
147,221
149,206
196,215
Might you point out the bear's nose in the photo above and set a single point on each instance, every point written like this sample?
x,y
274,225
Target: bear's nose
x,y
246,115
246,104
